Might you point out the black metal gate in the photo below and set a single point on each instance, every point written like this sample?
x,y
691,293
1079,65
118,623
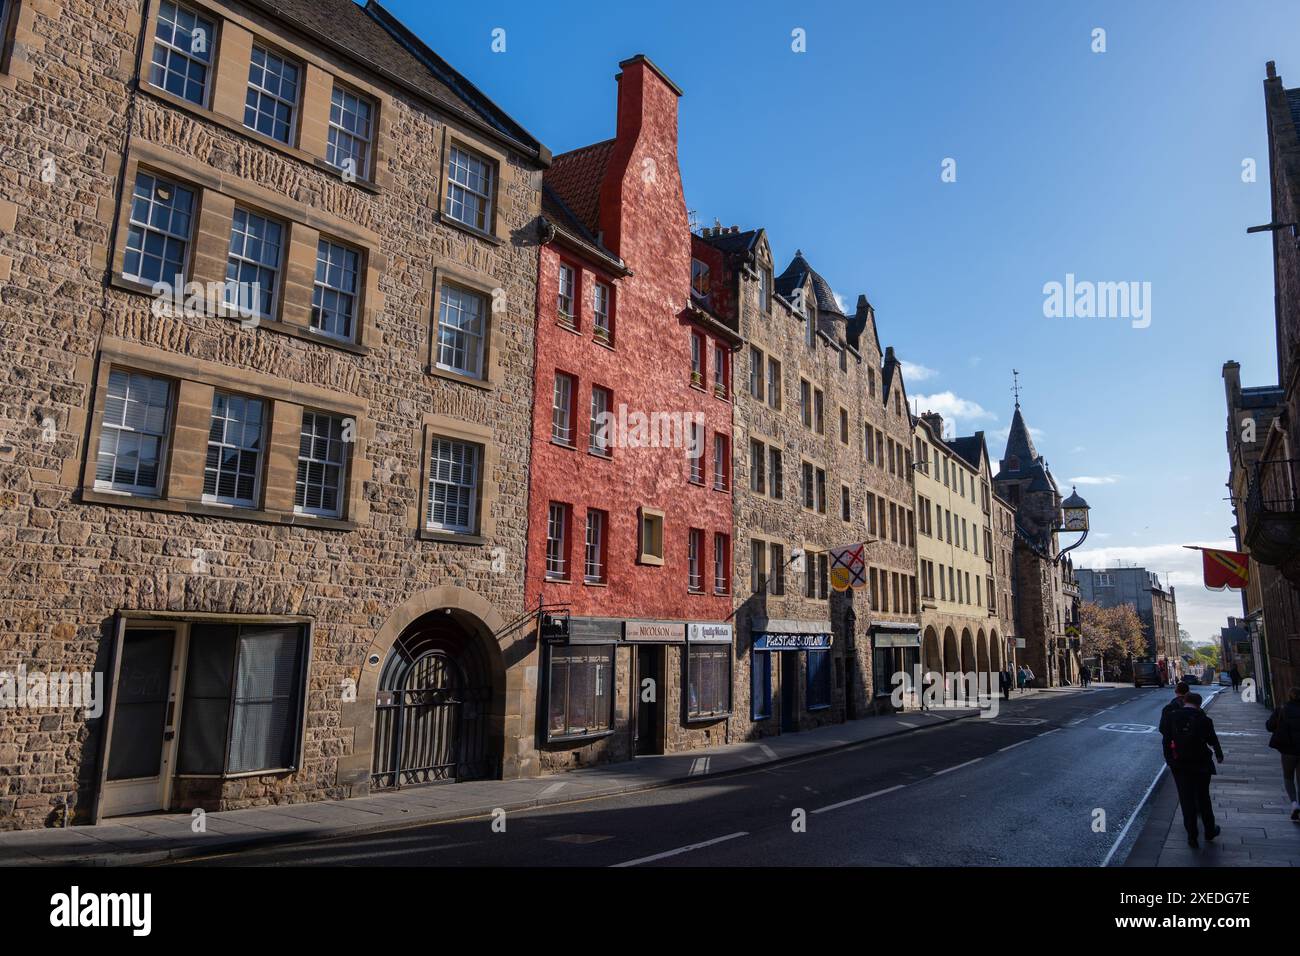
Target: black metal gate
x,y
431,717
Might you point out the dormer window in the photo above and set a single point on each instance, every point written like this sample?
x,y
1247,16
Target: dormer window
x,y
700,281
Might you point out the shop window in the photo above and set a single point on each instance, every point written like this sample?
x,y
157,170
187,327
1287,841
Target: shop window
x,y
580,691
708,681
819,679
243,698
760,685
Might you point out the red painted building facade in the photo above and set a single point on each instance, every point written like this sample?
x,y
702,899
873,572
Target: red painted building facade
x,y
630,534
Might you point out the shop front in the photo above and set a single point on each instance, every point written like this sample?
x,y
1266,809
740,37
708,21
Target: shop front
x,y
895,651
791,670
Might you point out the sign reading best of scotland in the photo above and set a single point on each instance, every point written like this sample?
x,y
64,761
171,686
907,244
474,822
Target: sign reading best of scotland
x,y
672,632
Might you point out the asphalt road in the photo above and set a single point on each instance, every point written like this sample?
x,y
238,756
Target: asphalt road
x,y
1027,788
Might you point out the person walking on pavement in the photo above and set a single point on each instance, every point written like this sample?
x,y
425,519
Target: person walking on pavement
x,y
1191,736
1284,725
1180,691
1004,682
1021,679
1235,676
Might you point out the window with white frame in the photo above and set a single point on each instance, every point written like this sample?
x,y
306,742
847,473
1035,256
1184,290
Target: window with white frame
x,y
720,361
721,462
232,472
721,563
696,455
271,102
694,545
562,409
253,263
757,469
158,234
567,295
453,486
334,293
350,132
697,359
133,433
182,51
322,463
773,383
557,553
601,313
593,569
755,373
599,441
461,317
469,188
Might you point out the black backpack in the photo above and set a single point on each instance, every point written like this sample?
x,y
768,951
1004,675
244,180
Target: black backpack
x,y
1186,748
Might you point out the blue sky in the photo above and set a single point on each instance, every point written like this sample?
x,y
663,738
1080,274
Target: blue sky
x,y
1122,166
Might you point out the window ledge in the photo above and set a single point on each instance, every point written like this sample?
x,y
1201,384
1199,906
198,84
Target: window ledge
x,y
603,343
466,228
596,584
569,326
118,281
651,560
697,591
450,537
709,718
204,113
551,580
437,372
234,513
602,455
564,444
571,738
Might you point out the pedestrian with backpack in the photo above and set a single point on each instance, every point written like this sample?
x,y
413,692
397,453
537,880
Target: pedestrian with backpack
x,y
1284,725
1191,736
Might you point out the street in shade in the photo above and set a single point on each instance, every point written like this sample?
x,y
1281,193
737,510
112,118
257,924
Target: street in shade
x,y
1026,788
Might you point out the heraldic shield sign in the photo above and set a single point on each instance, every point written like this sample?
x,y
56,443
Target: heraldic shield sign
x,y
849,567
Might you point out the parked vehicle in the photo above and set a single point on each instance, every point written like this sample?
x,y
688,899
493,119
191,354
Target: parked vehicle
x,y
1190,679
1225,679
1146,674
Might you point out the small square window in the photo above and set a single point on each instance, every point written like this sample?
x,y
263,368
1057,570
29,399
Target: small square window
x,y
652,537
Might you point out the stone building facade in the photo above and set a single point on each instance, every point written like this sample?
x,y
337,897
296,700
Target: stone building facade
x,y
813,389
1264,422
287,530
958,574
630,532
1154,602
1252,412
1045,591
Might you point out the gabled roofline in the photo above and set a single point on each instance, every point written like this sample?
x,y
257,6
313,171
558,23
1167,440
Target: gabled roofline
x,y
524,142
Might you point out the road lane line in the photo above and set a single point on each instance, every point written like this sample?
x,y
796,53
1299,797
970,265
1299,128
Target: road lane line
x,y
869,796
683,849
959,766
553,788
1018,743
1134,815
1052,731
767,751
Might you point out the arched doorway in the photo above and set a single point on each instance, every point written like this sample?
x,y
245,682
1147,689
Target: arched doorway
x,y
931,660
982,652
968,662
434,705
996,651
951,662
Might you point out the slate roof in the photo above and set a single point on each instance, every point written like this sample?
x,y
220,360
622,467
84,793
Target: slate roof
x,y
375,39
1262,396
576,177
1293,101
969,447
793,277
1019,442
733,243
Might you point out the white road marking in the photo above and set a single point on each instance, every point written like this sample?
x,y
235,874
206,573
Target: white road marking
x,y
959,766
1018,743
700,765
683,849
767,751
1052,731
553,788
869,796
906,724
1134,815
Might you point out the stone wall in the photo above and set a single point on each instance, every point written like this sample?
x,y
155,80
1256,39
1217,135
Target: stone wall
x,y
68,565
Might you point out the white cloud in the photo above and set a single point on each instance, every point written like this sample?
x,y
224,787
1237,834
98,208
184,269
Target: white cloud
x,y
1094,480
953,409
1201,612
916,373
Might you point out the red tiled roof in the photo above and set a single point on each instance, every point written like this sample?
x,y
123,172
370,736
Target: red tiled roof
x,y
576,177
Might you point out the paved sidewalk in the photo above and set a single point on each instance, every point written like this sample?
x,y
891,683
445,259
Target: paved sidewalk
x,y
158,837
1249,803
